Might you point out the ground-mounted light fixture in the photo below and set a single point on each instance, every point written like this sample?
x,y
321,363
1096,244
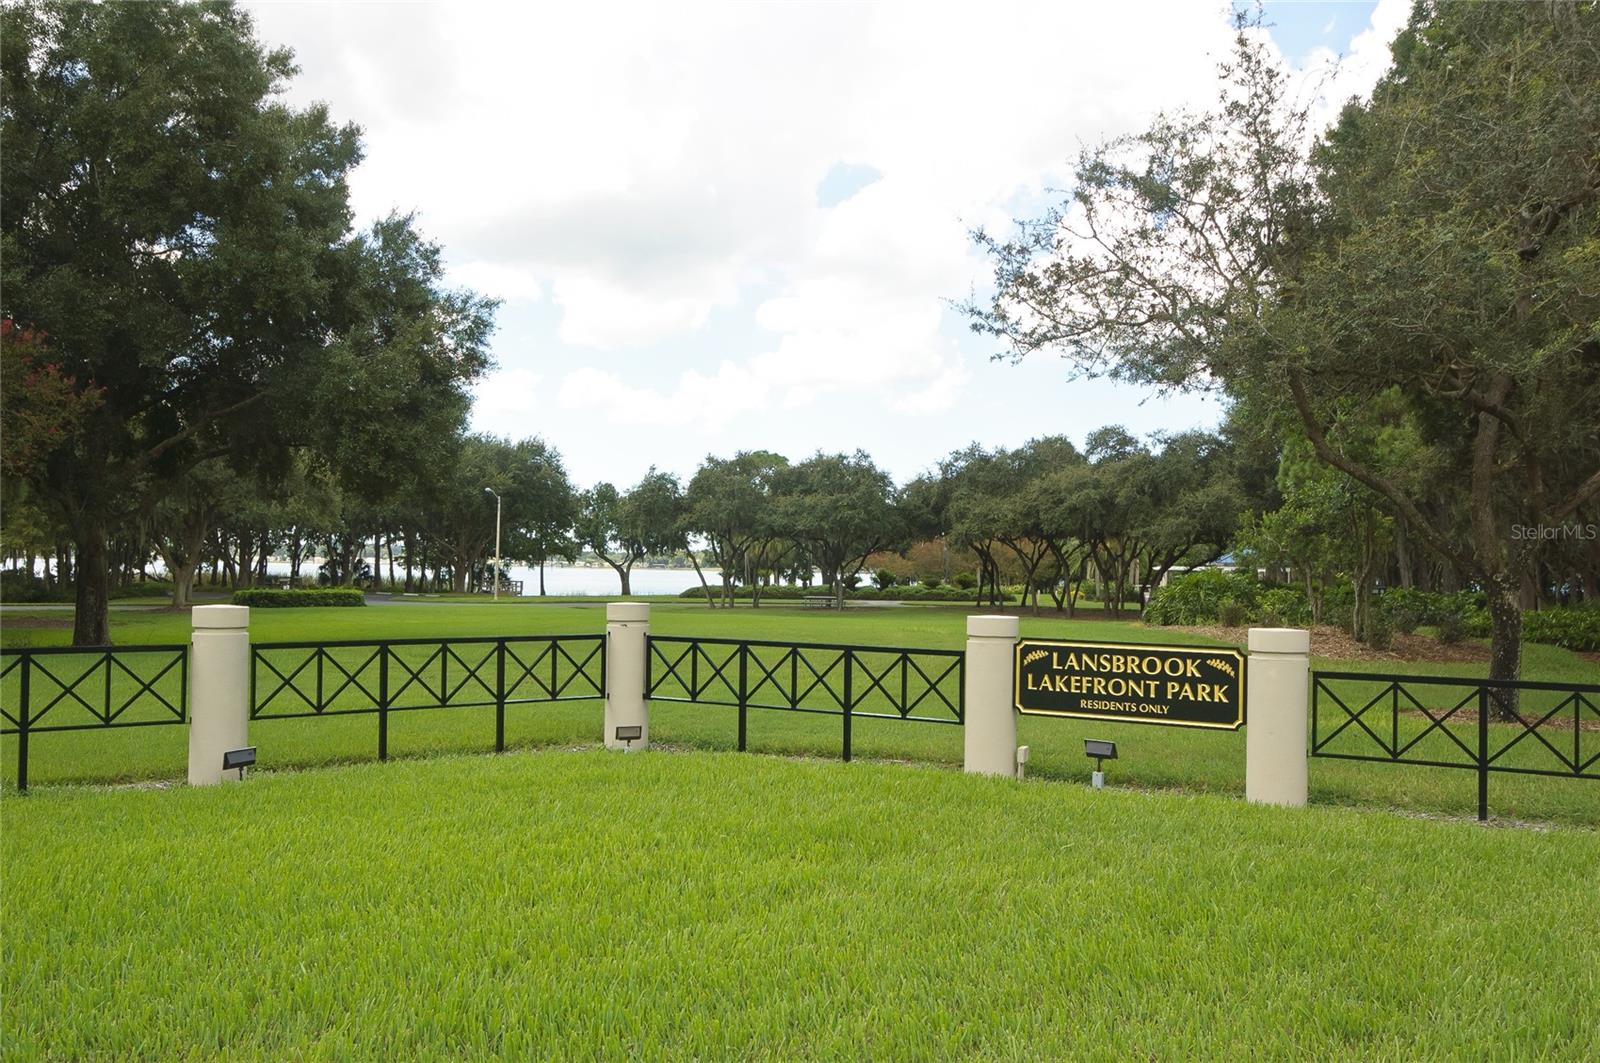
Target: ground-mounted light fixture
x,y
629,735
239,758
1101,751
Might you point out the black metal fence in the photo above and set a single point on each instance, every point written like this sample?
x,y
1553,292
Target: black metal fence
x,y
874,682
290,680
83,688
1520,727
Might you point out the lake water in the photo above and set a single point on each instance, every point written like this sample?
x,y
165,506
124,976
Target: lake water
x,y
565,579
558,579
571,579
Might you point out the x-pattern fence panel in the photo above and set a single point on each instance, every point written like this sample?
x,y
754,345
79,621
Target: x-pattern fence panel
x,y
290,680
1520,727
877,682
82,688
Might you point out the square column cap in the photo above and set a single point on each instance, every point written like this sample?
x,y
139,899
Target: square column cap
x,y
215,616
1280,640
993,627
628,612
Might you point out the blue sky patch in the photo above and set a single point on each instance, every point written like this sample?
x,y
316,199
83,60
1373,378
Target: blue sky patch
x,y
844,180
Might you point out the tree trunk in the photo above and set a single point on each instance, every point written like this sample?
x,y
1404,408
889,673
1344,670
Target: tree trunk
x,y
91,618
182,584
247,558
541,577
411,550
622,574
1402,553
695,561
1505,647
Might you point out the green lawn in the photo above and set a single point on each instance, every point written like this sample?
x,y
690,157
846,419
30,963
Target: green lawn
x,y
1151,757
713,905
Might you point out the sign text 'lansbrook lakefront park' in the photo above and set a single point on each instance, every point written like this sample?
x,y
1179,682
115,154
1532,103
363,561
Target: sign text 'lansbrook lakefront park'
x,y
1183,686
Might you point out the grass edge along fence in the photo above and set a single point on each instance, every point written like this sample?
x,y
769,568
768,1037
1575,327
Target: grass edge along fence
x,y
1427,720
297,680
82,688
832,679
224,675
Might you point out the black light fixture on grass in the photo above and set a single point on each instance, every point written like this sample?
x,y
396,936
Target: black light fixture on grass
x,y
1100,750
239,758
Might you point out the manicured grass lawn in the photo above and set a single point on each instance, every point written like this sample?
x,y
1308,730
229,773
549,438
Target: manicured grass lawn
x,y
1151,757
713,905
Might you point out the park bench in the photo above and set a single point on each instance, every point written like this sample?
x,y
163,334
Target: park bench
x,y
819,601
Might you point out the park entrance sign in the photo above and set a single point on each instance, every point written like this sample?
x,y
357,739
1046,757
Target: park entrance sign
x,y
1181,686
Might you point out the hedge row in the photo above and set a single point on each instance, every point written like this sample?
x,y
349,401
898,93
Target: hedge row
x,y
1235,598
19,587
1572,628
784,593
267,598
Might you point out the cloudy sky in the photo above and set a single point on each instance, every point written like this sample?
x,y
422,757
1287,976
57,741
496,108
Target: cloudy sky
x,y
725,227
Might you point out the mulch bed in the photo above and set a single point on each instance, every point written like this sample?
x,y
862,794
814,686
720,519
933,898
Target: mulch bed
x,y
1337,643
34,621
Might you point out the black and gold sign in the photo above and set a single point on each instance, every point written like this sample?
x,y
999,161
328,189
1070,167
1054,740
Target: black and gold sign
x,y
1183,686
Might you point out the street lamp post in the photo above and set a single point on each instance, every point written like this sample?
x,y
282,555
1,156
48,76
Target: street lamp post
x,y
492,491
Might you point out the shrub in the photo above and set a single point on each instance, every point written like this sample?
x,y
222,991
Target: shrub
x,y
1404,605
965,581
1450,629
1280,606
150,588
20,585
1198,597
1572,628
268,598
1379,634
883,579
1339,604
931,583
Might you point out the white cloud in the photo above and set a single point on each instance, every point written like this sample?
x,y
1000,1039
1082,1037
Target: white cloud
x,y
502,399
700,402
646,171
937,396
1337,78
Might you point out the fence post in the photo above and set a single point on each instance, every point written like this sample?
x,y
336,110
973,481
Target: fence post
x,y
627,628
22,726
383,698
219,699
500,693
1483,753
1275,755
744,689
849,701
990,727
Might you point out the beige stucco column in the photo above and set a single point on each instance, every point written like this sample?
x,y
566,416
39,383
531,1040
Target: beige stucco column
x,y
219,689
627,626
1275,724
991,721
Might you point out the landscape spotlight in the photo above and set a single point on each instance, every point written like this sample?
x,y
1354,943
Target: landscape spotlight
x,y
239,758
1101,751
629,735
